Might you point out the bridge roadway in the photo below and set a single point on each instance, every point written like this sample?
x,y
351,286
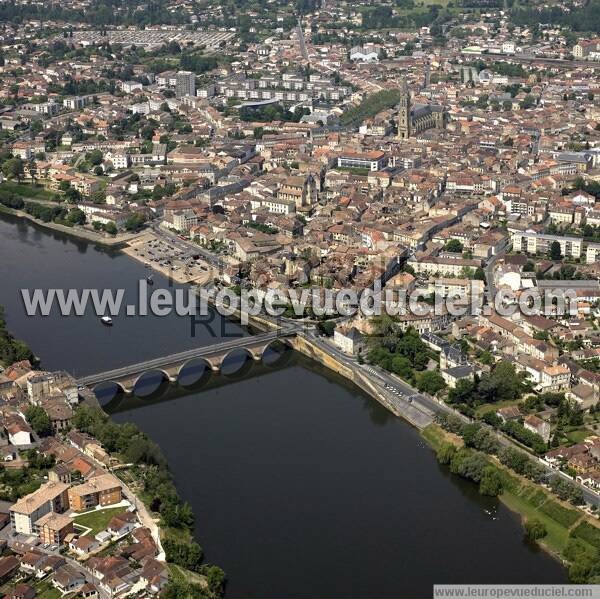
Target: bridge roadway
x,y
207,351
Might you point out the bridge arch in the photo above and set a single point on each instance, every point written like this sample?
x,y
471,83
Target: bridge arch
x,y
106,391
149,381
193,371
234,360
273,351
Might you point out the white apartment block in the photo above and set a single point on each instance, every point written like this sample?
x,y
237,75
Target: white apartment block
x,y
50,497
592,253
529,242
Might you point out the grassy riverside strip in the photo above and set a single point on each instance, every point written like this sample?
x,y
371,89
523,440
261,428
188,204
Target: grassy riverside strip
x,y
571,536
76,232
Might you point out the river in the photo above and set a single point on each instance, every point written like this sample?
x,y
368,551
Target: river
x,y
302,485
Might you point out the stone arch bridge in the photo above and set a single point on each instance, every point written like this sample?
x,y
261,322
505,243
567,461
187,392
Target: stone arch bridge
x,y
171,366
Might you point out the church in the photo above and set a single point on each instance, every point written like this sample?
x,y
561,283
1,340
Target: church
x,y
413,120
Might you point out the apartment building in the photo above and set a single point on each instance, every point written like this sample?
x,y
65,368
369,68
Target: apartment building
x,y
373,161
446,267
529,242
50,497
556,377
592,253
101,490
185,84
53,528
274,205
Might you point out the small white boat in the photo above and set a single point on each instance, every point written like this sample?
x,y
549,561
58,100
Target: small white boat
x,y
150,279
106,320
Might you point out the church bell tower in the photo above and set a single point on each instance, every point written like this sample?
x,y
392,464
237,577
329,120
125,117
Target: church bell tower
x,y
404,112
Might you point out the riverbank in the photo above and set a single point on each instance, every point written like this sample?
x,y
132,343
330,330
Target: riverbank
x,y
116,242
570,533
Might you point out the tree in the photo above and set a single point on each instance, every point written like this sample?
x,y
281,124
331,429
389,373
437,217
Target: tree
x,y
179,588
491,483
73,195
215,578
486,358
111,228
402,367
94,157
527,102
469,464
39,420
13,168
76,217
11,349
187,555
502,384
135,222
454,245
535,529
446,453
554,252
32,166
430,381
463,392
326,327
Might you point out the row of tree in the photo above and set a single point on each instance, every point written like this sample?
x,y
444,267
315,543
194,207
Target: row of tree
x,y
477,436
11,349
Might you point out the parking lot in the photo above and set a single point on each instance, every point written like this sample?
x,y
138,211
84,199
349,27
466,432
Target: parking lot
x,y
169,259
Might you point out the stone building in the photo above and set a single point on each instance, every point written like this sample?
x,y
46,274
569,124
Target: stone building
x,y
414,119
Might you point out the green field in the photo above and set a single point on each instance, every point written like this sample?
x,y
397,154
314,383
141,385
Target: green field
x,y
483,409
46,591
98,519
181,574
560,514
26,190
579,435
588,533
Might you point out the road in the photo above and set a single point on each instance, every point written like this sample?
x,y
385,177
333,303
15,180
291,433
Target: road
x,y
492,290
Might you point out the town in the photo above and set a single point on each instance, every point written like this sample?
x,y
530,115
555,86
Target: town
x,y
444,150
